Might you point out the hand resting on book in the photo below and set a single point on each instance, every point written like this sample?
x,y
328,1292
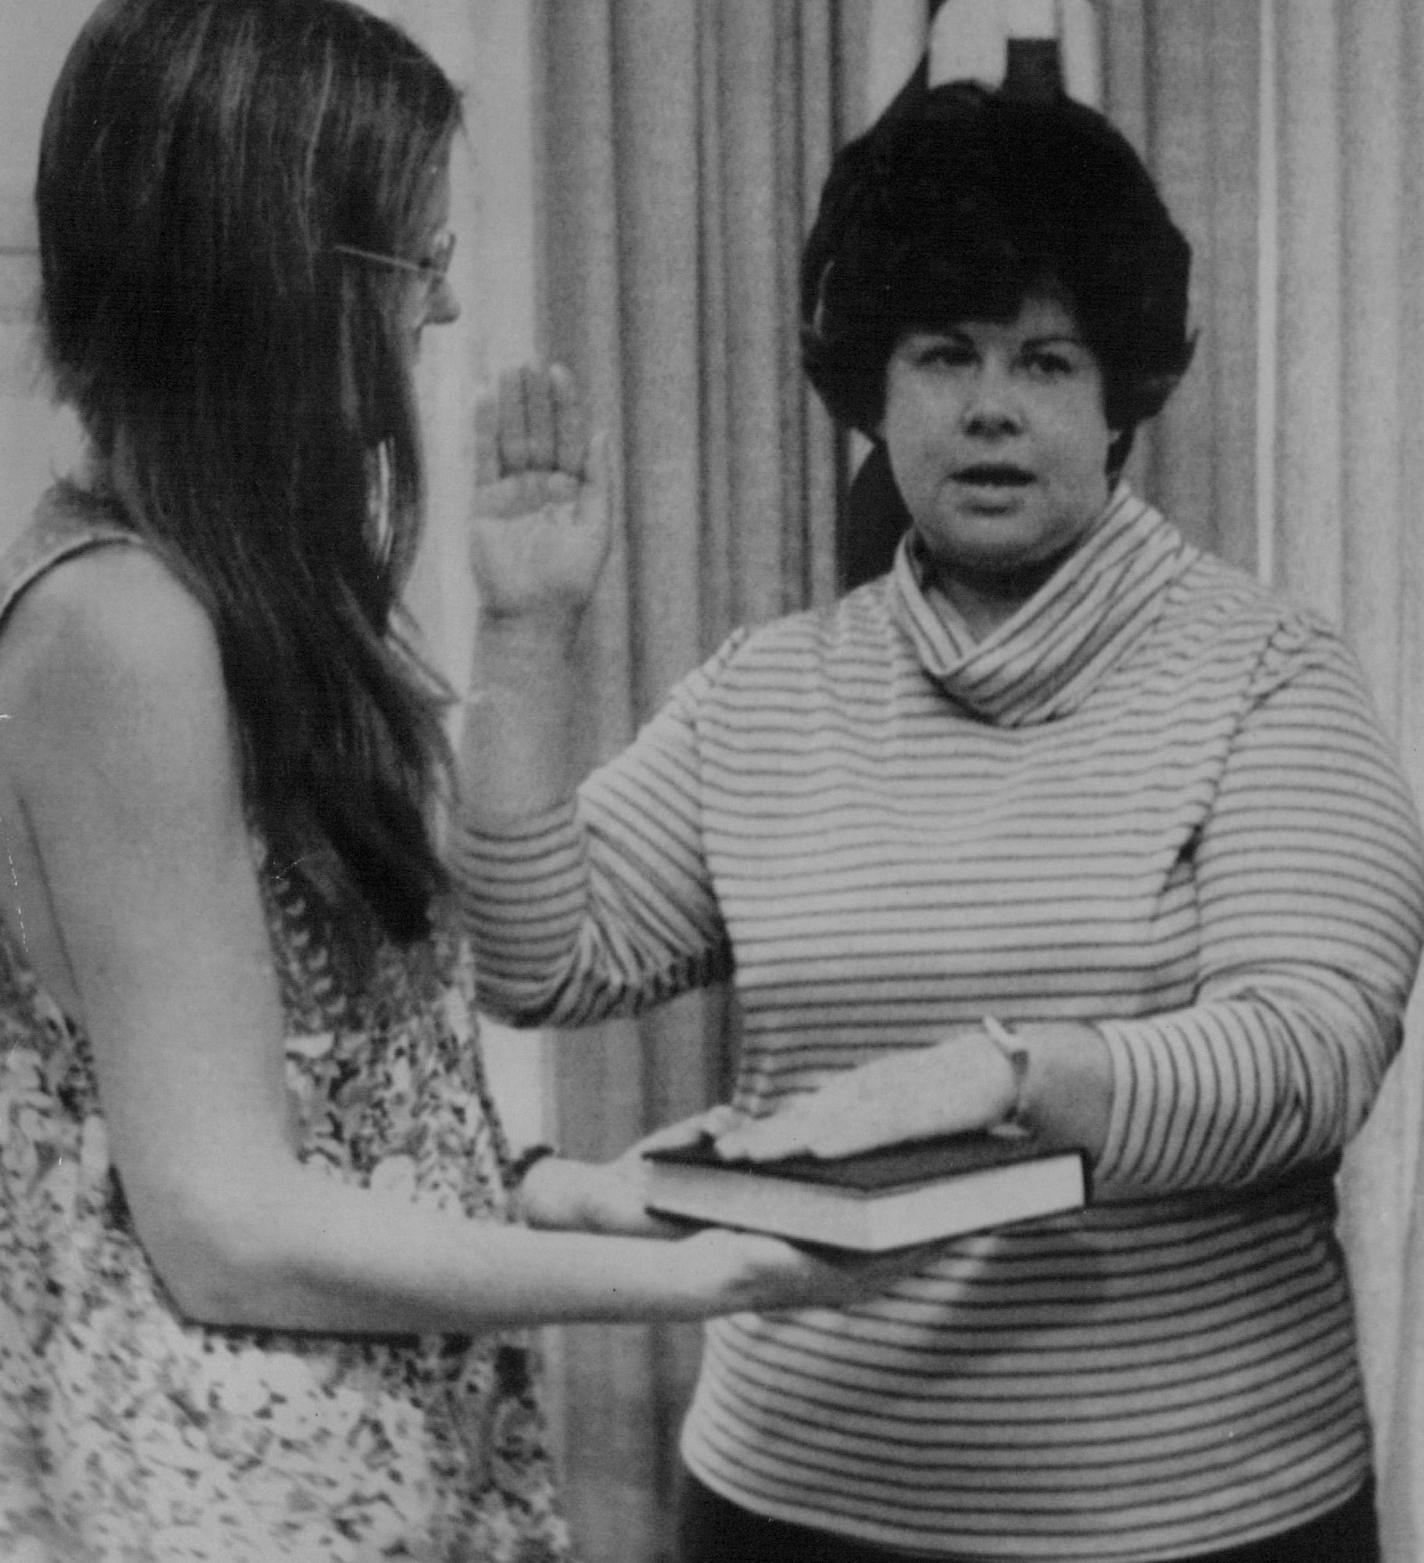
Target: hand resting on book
x,y
961,1084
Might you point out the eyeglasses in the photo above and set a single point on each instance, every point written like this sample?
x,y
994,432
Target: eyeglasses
x,y
433,268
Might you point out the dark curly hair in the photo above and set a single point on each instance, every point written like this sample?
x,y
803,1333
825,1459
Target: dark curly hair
x,y
201,162
960,203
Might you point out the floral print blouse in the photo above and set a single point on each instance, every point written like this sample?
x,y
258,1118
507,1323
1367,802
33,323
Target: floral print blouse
x,y
128,1435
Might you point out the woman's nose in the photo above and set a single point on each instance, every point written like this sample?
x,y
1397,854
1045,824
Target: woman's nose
x,y
992,405
443,306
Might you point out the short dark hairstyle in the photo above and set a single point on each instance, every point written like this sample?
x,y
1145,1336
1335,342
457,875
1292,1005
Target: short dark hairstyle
x,y
200,161
959,204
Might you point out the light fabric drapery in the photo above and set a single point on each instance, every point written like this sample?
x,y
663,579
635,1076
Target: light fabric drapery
x,y
1181,82
1344,532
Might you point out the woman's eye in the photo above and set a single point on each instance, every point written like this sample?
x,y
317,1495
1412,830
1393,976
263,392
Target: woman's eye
x,y
1049,366
948,355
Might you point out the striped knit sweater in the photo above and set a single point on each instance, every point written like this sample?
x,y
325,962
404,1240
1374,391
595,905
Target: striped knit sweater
x,y
1157,801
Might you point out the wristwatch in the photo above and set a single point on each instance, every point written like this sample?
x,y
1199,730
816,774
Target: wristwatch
x,y
1013,1050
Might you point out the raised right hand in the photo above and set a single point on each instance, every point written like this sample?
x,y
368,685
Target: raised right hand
x,y
541,524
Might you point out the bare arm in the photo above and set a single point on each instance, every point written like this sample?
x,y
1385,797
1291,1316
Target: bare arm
x,y
538,541
128,781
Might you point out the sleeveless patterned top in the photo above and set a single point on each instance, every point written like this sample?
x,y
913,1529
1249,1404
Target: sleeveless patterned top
x,y
129,1434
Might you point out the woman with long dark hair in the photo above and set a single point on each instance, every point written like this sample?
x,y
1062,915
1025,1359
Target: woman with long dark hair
x,y
261,1273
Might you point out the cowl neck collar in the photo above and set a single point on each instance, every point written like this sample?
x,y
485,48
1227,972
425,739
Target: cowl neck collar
x,y
1041,663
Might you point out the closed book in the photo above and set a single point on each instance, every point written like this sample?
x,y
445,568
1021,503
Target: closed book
x,y
917,1192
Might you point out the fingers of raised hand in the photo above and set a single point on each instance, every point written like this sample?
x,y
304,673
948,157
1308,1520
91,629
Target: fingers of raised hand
x,y
487,462
533,422
526,421
570,433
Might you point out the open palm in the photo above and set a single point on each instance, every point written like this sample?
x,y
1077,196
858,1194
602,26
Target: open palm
x,y
541,523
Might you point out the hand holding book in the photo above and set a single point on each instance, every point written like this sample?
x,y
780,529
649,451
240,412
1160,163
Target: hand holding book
x,y
708,1271
554,1192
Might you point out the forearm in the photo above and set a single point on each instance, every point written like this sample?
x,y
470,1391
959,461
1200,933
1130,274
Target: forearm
x,y
516,855
1227,1091
1221,1093
1245,1086
1309,896
519,753
305,1252
538,537
598,903
312,1254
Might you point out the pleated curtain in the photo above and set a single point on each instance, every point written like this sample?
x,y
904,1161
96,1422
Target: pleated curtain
x,y
1344,530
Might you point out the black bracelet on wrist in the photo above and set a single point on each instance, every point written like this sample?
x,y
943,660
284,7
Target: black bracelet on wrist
x,y
525,1161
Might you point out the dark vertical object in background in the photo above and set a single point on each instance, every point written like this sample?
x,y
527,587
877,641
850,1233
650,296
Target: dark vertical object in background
x,y
1033,68
874,521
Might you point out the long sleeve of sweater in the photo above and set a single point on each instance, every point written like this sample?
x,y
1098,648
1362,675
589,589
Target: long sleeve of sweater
x,y
1310,897
602,904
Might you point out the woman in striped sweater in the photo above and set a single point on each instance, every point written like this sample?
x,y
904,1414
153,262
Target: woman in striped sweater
x,y
1057,768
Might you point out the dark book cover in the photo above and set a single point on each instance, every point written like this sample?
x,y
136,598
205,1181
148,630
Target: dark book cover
x,y
876,1171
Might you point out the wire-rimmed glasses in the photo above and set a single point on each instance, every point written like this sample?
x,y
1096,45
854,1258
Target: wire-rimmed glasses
x,y
433,267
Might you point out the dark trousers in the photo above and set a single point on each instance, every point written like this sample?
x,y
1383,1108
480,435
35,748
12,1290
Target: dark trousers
x,y
712,1530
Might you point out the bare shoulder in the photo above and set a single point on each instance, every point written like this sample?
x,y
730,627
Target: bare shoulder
x,y
109,648
119,605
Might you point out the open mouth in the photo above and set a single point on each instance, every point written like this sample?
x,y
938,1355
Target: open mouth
x,y
993,475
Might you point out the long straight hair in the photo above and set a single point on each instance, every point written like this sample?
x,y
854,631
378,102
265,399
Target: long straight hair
x,y
200,163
